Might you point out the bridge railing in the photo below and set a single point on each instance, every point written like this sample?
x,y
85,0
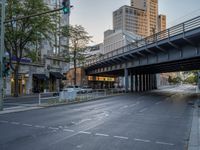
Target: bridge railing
x,y
168,33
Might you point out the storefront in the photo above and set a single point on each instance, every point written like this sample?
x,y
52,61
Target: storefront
x,y
55,81
100,82
22,84
40,83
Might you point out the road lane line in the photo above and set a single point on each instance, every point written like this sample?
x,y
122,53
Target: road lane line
x,y
53,128
164,143
68,130
28,125
84,132
38,126
158,103
121,137
143,110
3,121
15,123
100,134
142,140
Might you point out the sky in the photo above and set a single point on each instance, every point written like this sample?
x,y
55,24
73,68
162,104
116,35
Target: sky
x,y
96,15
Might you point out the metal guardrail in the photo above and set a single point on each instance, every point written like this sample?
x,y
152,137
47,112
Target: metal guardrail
x,y
166,34
52,98
47,97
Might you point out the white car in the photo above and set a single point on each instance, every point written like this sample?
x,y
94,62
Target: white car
x,y
73,88
86,89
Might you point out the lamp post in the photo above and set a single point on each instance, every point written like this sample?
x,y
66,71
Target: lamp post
x,y
3,4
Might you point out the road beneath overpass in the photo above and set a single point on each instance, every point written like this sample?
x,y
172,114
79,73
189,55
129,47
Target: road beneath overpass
x,y
152,120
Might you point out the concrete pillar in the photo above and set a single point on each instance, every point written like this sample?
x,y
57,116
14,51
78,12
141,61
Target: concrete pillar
x,y
147,82
155,81
126,79
131,81
140,82
144,82
136,82
150,82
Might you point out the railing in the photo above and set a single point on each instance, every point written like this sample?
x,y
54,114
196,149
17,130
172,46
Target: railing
x,y
173,31
52,98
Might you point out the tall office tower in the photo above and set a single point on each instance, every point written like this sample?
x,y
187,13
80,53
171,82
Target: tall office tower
x,y
151,12
56,46
161,23
130,19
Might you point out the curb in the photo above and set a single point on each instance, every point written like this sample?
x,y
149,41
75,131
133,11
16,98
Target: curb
x,y
10,110
77,102
194,141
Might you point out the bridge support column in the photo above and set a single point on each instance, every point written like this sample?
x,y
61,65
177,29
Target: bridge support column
x,y
136,83
131,81
140,83
155,81
126,79
147,82
144,82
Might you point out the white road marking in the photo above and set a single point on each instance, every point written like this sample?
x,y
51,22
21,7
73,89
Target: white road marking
x,y
68,130
100,134
28,125
38,126
53,128
164,143
84,132
15,123
121,137
158,103
143,110
79,146
133,105
3,121
142,140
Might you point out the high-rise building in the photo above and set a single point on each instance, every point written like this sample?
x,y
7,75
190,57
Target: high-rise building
x,y
56,46
151,12
140,18
130,19
161,23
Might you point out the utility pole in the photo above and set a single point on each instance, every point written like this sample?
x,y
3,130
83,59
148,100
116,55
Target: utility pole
x,y
2,31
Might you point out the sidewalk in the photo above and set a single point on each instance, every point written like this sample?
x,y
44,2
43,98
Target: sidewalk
x,y
19,109
194,142
21,96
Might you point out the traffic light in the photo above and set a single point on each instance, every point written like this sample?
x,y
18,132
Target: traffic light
x,y
6,67
66,6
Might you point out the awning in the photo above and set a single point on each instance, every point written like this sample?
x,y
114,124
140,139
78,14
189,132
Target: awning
x,y
57,75
40,76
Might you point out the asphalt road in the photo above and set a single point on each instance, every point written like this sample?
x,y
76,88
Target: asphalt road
x,y
148,121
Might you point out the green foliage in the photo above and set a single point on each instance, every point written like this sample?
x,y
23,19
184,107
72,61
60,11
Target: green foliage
x,y
191,80
192,77
78,40
175,80
21,36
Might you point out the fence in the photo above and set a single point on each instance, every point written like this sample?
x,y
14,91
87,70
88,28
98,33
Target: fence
x,y
66,97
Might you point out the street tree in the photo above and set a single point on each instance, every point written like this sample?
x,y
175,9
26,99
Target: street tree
x,y
78,40
21,35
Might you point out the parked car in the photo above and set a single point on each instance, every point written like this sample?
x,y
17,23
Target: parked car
x,y
86,89
73,88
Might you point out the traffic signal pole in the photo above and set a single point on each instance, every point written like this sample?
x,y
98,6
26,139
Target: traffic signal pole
x,y
3,4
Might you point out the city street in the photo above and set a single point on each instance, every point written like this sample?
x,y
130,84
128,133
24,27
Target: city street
x,y
153,121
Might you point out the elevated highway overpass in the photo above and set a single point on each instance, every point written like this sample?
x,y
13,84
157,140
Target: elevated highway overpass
x,y
174,49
